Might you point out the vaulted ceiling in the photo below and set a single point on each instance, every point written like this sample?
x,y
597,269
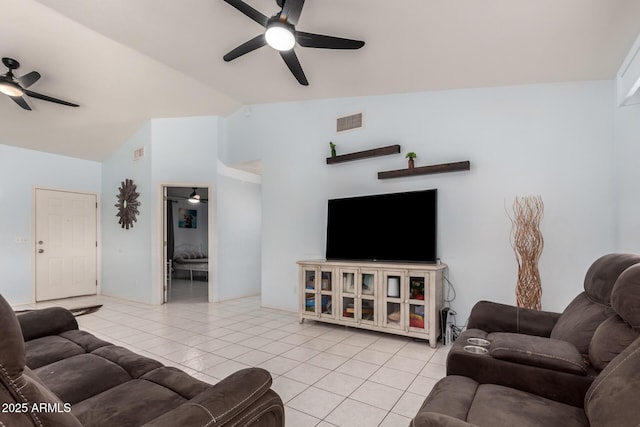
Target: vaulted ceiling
x,y
126,61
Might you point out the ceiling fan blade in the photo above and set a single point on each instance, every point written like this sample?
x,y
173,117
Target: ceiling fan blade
x,y
49,98
249,11
292,62
29,79
21,102
292,10
326,42
244,48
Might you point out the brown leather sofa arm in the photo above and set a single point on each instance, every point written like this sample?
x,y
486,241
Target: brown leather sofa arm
x,y
494,317
243,398
47,321
433,419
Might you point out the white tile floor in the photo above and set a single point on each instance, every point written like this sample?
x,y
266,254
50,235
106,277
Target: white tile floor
x,y
326,375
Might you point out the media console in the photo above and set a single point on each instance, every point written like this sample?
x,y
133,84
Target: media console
x,y
402,299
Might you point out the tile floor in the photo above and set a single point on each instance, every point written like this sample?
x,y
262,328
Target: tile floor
x,y
326,375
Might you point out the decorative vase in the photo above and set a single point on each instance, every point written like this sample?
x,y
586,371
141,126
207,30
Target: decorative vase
x,y
411,163
527,243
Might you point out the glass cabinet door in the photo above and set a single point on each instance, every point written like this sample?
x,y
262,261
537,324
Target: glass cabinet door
x,y
348,294
326,293
393,299
318,291
418,293
309,275
367,293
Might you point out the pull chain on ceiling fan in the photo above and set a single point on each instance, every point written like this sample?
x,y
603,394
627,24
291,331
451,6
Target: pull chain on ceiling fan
x,y
281,34
16,87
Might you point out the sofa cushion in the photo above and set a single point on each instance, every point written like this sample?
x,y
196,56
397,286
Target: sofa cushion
x,y
87,341
177,381
612,399
495,405
79,377
489,405
452,396
133,363
603,273
625,297
537,351
610,339
130,404
45,350
579,321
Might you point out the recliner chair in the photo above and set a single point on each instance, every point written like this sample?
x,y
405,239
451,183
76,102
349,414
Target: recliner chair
x,y
526,380
547,353
611,400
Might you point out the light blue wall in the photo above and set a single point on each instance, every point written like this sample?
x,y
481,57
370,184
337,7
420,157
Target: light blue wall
x,y
126,255
177,150
239,216
185,150
627,155
554,140
20,172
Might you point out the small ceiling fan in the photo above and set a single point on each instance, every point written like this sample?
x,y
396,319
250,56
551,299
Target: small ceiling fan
x,y
281,34
15,87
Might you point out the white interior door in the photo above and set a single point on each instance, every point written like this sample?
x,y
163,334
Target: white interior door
x,y
65,244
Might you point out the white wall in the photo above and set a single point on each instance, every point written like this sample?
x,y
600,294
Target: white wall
x,y
554,140
185,150
176,150
181,151
627,174
126,253
20,171
239,240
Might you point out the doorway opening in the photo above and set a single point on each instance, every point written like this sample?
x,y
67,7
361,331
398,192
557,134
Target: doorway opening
x,y
186,237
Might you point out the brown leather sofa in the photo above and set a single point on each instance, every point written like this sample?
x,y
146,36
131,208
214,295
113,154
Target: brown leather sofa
x,y
52,374
554,355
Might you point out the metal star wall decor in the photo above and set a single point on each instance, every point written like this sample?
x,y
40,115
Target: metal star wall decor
x,y
127,204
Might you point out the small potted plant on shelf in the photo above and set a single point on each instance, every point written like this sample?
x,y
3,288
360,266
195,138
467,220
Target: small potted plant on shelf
x,y
411,155
333,149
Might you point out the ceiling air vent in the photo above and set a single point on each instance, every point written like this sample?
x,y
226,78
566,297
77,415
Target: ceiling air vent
x,y
138,153
351,122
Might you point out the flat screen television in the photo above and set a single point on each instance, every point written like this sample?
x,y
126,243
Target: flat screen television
x,y
386,227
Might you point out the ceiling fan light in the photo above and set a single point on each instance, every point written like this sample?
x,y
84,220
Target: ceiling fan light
x,y
10,88
280,36
194,197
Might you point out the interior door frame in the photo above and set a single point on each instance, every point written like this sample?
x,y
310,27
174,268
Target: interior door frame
x,y
33,236
211,238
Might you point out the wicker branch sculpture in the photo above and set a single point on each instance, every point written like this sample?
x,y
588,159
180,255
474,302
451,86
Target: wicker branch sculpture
x,y
527,243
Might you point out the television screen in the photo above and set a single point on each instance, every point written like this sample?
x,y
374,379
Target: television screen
x,y
385,227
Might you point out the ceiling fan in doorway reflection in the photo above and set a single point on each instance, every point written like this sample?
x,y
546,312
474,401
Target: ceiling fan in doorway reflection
x,y
281,34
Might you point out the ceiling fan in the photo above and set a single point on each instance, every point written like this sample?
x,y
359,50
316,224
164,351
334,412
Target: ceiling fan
x,y
15,87
281,34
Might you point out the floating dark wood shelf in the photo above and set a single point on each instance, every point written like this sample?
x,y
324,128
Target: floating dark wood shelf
x,y
382,151
425,170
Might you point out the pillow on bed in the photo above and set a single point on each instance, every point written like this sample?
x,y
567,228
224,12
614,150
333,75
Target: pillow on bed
x,y
180,255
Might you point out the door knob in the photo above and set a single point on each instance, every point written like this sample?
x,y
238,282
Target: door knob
x,y
40,251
